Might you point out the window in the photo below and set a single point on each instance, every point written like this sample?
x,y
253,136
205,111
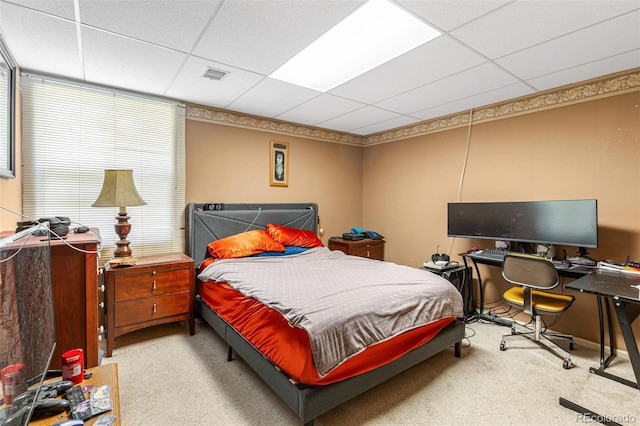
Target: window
x,y
71,133
7,112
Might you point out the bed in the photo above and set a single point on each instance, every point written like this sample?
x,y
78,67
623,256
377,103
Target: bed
x,y
309,392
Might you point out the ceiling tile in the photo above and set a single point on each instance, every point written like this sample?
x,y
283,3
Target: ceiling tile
x,y
271,97
128,64
319,109
448,15
393,123
610,38
523,24
434,60
606,66
475,101
141,19
61,8
462,85
189,83
359,118
41,42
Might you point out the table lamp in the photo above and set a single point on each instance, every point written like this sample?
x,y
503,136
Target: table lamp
x,y
118,190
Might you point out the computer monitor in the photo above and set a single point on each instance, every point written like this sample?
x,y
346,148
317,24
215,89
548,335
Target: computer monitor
x,y
565,222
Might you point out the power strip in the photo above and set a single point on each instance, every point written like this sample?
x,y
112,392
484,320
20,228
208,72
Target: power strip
x,y
495,319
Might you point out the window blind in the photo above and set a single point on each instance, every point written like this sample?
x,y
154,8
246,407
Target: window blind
x,y
72,132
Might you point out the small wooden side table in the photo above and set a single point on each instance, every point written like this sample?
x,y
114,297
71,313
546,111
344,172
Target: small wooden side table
x,y
157,290
106,374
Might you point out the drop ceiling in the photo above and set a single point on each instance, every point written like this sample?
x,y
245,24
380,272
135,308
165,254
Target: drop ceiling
x,y
489,51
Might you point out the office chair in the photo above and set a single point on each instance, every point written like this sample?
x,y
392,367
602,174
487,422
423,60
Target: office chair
x,y
533,275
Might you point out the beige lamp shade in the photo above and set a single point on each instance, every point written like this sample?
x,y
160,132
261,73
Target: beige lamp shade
x,y
118,190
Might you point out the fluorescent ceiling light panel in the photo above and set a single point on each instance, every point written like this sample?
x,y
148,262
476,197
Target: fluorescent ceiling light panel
x,y
374,34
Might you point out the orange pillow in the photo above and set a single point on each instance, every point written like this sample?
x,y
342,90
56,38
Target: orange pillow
x,y
243,244
293,237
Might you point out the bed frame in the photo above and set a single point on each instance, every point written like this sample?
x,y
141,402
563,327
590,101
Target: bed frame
x,y
206,222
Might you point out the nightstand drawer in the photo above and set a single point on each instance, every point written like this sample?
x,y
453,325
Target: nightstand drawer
x,y
369,248
153,283
150,308
369,251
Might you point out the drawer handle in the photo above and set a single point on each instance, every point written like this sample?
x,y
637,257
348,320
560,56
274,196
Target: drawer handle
x,y
153,272
154,308
368,253
101,329
153,285
101,288
101,305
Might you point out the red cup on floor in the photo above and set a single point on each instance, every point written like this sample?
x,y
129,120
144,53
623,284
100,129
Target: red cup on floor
x,y
14,382
73,365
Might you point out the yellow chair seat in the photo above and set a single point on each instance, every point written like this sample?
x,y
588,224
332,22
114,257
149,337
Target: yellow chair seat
x,y
543,301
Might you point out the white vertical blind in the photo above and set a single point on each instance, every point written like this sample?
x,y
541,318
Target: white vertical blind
x,y
71,133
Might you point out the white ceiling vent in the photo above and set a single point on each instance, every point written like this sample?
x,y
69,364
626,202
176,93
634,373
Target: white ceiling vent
x,y
215,74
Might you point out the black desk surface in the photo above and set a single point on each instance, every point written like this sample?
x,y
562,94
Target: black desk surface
x,y
570,272
609,284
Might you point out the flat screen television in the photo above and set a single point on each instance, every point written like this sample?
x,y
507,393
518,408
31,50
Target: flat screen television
x,y
27,323
565,222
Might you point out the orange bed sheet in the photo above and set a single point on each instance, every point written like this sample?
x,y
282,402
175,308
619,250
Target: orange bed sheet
x,y
288,347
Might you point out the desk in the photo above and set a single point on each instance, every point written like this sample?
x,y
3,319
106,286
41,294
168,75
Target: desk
x,y
478,258
106,374
615,286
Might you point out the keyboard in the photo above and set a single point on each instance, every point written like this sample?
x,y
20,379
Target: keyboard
x,y
493,254
498,255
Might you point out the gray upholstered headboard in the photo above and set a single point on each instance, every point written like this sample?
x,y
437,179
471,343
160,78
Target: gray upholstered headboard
x,y
206,222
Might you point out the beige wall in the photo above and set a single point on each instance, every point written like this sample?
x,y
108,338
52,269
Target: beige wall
x,y
230,164
587,150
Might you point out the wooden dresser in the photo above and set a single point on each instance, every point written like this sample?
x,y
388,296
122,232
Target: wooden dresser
x,y
76,294
157,290
372,249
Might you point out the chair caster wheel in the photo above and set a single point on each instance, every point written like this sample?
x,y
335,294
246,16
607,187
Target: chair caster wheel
x,y
566,364
570,346
502,346
513,331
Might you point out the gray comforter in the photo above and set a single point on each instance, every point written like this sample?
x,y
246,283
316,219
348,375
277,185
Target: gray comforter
x,y
345,303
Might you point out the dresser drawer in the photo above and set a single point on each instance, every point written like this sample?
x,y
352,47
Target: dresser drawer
x,y
150,308
369,248
370,251
153,282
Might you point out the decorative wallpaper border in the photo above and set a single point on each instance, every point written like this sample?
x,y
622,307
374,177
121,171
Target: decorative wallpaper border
x,y
611,85
235,119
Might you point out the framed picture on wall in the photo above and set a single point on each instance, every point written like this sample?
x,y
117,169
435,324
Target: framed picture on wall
x,y
279,164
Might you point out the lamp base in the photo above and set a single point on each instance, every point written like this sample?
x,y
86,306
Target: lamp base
x,y
122,261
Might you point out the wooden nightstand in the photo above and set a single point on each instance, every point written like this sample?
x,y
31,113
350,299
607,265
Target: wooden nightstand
x,y
372,249
157,290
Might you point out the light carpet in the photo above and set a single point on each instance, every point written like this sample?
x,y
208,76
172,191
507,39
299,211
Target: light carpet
x,y
167,377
